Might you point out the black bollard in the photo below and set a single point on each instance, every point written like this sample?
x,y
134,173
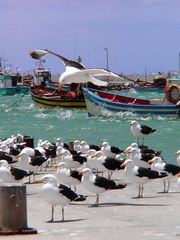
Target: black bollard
x,y
29,141
13,210
71,145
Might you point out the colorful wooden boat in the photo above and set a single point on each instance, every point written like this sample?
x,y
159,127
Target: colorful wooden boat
x,y
101,103
49,97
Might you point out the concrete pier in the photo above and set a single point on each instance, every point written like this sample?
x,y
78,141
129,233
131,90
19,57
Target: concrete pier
x,y
119,216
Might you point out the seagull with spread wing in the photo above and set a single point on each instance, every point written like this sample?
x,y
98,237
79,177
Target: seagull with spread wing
x,y
76,72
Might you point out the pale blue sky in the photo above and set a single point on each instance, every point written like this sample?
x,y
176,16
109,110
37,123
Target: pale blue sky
x,y
139,34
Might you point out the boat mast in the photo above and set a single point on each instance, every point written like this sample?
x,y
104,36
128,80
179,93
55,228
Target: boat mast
x,y
179,66
145,74
1,64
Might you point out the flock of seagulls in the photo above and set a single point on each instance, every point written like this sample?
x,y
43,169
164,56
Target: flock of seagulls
x,y
66,166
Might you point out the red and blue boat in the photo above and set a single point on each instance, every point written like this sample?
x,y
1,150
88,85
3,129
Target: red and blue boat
x,y
101,103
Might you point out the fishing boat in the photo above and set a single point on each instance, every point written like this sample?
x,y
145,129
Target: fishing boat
x,y
11,84
50,97
41,76
72,78
101,103
157,85
148,89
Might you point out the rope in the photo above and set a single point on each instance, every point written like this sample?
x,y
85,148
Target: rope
x,y
17,102
49,109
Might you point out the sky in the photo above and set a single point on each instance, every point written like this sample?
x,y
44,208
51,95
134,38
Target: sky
x,y
139,35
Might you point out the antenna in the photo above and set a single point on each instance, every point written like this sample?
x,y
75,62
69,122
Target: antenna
x,y
74,46
179,65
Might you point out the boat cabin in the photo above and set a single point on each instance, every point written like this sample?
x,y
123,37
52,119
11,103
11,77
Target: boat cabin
x,y
11,84
7,81
42,77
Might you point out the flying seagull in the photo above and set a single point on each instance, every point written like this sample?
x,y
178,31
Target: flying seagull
x,y
76,72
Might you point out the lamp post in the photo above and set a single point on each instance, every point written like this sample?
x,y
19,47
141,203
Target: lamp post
x,y
107,58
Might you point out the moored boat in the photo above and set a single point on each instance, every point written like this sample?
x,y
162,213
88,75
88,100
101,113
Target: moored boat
x,y
149,89
100,103
41,77
50,97
11,84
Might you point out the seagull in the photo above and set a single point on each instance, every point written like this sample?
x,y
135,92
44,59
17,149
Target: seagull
x,y
170,169
59,152
72,160
58,194
98,184
37,54
67,176
7,157
143,148
108,164
9,174
30,163
140,131
4,147
140,159
32,151
91,162
85,147
59,142
139,175
42,143
110,151
75,71
76,146
177,154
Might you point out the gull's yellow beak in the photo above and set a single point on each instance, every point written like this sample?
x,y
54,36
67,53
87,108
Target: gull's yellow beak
x,y
151,161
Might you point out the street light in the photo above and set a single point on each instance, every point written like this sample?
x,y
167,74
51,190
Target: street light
x,y
107,58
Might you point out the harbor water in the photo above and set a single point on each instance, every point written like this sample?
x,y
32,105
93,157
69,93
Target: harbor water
x,y
19,114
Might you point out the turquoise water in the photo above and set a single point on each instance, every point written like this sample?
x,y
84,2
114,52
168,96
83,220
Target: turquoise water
x,y
70,124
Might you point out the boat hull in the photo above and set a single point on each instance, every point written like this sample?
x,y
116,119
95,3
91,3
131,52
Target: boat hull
x,y
13,90
149,89
99,106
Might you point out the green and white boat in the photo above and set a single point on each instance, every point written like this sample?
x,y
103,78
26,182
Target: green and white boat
x,y
11,84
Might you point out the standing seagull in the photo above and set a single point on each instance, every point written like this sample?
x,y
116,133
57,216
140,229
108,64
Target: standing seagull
x,y
170,169
140,131
110,151
58,194
140,175
30,163
72,160
67,176
177,154
104,163
10,174
98,184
